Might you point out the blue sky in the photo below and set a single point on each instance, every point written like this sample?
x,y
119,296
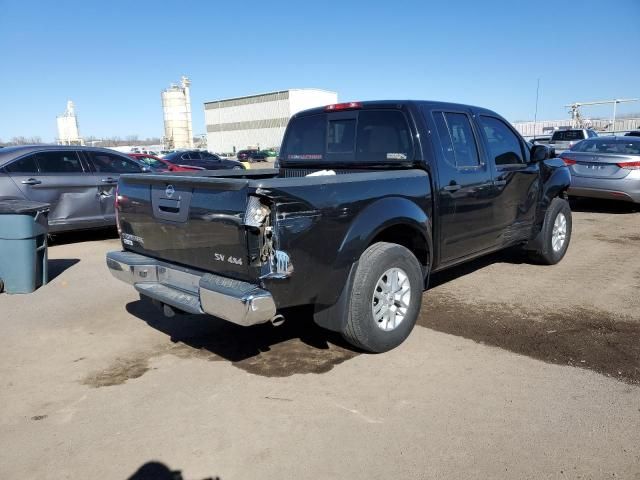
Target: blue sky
x,y
113,58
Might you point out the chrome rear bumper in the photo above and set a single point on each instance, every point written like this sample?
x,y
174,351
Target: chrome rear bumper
x,y
192,291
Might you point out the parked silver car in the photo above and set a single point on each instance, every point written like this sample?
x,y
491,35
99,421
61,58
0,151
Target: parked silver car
x,y
605,167
78,182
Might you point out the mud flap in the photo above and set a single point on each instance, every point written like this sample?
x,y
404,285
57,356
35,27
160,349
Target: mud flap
x,y
334,317
535,244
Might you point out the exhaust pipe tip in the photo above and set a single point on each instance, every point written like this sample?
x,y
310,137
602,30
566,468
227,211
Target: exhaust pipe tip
x,y
277,320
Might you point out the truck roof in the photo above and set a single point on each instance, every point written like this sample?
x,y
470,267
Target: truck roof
x,y
401,103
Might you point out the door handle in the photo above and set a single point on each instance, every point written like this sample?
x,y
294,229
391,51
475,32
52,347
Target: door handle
x,y
109,180
452,188
499,182
31,181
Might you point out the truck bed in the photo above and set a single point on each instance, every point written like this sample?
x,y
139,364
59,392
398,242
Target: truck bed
x,y
199,221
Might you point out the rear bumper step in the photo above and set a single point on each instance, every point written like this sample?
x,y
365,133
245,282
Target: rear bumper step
x,y
191,291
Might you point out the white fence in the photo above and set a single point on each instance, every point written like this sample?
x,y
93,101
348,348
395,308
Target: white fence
x,y
600,125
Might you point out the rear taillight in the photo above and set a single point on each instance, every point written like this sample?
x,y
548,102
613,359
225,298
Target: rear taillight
x,y
630,165
568,161
336,107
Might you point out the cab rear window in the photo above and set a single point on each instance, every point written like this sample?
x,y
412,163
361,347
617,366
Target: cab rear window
x,y
359,136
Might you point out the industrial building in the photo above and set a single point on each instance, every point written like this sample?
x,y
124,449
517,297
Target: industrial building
x,y
257,121
176,107
68,131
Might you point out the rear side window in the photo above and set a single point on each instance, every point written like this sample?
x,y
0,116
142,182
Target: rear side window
x,y
457,139
504,145
24,165
210,156
108,163
59,162
152,162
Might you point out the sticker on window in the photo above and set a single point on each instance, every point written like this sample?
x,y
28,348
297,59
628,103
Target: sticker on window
x,y
396,156
304,157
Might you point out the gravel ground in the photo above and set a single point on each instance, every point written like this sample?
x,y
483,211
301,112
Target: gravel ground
x,y
514,371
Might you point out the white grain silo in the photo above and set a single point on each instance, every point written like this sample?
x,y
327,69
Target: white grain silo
x,y
68,133
176,106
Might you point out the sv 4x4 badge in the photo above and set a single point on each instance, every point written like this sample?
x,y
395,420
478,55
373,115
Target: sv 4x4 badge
x,y
218,257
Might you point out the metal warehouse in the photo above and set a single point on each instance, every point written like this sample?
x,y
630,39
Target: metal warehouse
x,y
258,121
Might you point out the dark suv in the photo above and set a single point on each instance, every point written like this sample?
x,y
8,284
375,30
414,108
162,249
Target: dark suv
x,y
251,155
202,159
245,155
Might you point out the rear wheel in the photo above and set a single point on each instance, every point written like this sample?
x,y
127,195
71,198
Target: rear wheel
x,y
556,233
385,298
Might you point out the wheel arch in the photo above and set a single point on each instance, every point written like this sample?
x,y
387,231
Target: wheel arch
x,y
394,220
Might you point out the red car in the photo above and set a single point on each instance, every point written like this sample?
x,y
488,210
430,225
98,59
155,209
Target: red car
x,y
161,165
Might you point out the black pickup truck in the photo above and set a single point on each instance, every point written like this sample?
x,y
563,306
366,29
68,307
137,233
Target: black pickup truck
x,y
369,199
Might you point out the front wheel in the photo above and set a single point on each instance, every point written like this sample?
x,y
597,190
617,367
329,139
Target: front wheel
x,y
385,298
556,233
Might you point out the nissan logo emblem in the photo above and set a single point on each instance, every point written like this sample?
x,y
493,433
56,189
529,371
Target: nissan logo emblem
x,y
170,191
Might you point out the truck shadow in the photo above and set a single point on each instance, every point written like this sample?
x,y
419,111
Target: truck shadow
x,y
513,255
78,236
297,346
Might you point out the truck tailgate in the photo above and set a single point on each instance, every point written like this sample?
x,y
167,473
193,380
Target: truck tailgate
x,y
192,221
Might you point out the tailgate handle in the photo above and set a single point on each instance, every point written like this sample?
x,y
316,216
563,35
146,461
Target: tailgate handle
x,y
169,206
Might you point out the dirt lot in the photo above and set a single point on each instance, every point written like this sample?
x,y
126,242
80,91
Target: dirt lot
x,y
515,371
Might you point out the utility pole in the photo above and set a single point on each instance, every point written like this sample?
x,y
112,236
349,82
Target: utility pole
x,y
535,116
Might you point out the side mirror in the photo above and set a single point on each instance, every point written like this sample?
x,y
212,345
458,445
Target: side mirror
x,y
540,153
146,169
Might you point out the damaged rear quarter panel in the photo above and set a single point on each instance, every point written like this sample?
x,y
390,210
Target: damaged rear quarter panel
x,y
325,223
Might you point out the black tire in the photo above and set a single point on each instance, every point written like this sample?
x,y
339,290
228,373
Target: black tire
x,y
361,329
546,255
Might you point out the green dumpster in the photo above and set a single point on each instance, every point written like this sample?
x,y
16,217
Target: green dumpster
x,y
23,245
